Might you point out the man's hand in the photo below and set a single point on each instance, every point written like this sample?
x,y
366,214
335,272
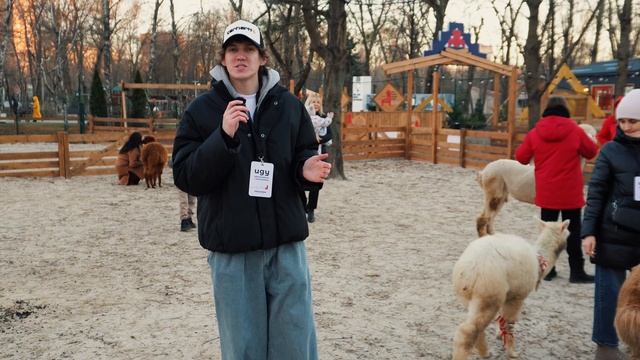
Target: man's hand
x,y
235,113
315,169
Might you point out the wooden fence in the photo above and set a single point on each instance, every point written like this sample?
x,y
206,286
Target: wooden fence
x,y
376,135
64,156
373,135
146,125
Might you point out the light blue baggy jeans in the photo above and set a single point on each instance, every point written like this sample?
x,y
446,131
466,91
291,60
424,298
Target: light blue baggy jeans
x,y
263,304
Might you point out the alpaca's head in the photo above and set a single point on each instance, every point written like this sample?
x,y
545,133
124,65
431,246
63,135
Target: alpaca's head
x,y
148,139
553,238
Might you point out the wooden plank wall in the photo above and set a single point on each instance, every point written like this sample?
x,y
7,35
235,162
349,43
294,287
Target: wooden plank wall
x,y
59,162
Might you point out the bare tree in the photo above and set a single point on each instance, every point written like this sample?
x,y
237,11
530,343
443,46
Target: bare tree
x,y
336,58
369,18
151,72
5,30
176,44
599,23
535,83
106,48
237,8
439,8
624,47
508,19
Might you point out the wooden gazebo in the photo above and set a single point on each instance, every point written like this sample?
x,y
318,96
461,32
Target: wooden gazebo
x,y
451,56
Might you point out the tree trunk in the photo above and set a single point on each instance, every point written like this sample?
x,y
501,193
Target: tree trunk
x,y
336,58
6,29
106,51
532,62
624,47
439,9
176,44
154,39
599,22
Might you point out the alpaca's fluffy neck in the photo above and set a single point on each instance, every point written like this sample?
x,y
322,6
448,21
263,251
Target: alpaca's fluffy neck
x,y
549,245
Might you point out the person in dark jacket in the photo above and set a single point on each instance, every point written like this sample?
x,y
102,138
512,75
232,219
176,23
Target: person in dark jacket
x,y
557,143
611,228
247,149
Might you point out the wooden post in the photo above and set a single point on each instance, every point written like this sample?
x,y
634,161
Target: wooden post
x,y
292,86
63,154
463,134
511,114
496,100
90,124
123,99
407,138
434,115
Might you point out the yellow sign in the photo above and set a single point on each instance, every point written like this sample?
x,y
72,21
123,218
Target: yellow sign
x,y
389,98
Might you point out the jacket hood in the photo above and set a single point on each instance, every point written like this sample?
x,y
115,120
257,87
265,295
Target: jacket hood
x,y
555,128
268,81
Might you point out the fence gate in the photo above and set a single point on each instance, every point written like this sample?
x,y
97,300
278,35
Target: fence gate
x,y
96,158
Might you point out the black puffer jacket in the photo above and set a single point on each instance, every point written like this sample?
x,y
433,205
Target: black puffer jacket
x,y
611,185
209,164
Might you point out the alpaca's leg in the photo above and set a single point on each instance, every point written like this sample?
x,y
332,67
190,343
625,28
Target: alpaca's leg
x,y
468,334
510,313
481,345
159,176
495,195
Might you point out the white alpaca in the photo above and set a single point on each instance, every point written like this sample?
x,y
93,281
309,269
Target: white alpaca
x,y
503,177
494,275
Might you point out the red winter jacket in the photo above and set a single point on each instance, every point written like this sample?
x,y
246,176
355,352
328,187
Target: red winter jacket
x,y
557,143
608,130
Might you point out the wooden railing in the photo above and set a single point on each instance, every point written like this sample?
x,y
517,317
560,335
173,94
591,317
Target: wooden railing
x,y
146,125
62,154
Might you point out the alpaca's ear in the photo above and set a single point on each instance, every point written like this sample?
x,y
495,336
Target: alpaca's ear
x,y
565,224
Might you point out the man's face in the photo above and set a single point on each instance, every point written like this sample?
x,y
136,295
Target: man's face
x,y
242,60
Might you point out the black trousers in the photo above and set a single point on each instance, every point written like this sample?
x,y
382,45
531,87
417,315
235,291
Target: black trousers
x,y
574,243
312,203
133,179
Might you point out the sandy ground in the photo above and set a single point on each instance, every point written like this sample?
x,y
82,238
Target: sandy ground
x,y
92,270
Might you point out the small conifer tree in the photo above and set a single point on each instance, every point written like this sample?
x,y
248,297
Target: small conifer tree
x,y
138,100
98,101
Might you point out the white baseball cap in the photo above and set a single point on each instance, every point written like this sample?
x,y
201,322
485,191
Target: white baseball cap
x,y
242,28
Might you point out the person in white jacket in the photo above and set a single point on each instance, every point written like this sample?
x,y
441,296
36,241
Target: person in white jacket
x,y
321,125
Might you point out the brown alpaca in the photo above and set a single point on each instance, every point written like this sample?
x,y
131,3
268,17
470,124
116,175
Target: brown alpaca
x,y
493,276
154,158
628,313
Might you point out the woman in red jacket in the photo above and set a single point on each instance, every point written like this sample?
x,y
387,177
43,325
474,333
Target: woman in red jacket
x,y
557,143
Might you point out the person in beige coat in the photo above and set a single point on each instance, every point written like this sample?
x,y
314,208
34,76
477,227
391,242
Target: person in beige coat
x,y
128,164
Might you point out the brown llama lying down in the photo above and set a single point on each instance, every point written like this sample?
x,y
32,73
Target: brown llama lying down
x,y
494,275
627,320
501,178
154,159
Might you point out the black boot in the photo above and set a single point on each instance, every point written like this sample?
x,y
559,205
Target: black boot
x,y
185,225
551,275
578,276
